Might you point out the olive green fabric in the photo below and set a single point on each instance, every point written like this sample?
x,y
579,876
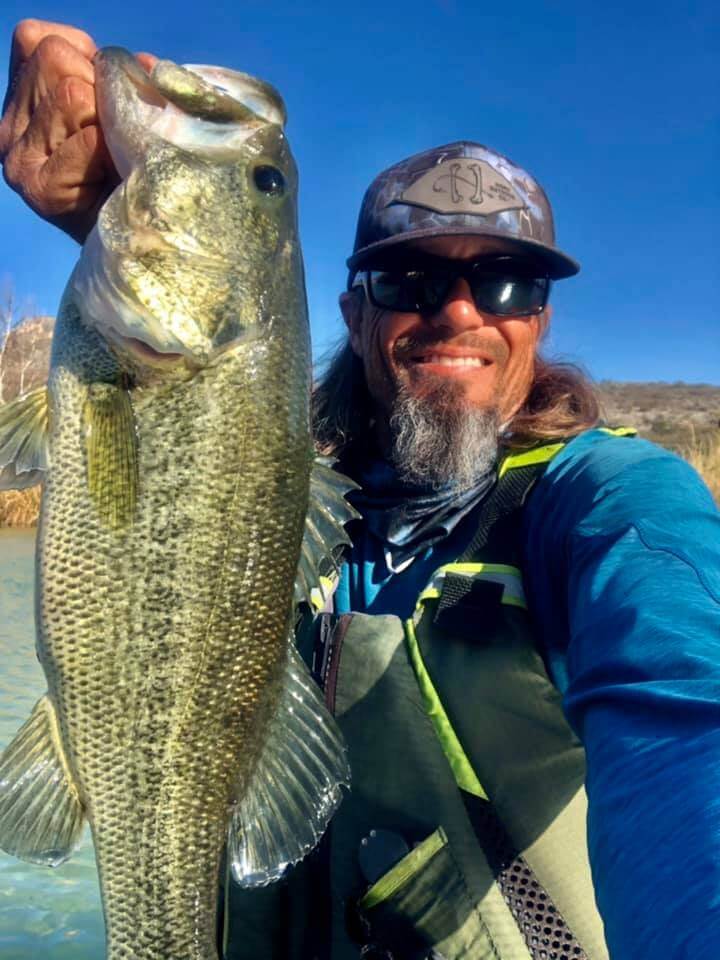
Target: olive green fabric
x,y
438,714
403,782
508,715
424,901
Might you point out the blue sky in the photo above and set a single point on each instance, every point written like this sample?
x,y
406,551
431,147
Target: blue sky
x,y
614,107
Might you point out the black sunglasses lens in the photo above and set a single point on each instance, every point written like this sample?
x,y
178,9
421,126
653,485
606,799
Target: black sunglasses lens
x,y
395,289
510,296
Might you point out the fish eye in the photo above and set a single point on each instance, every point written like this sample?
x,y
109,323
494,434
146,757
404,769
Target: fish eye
x,y
269,180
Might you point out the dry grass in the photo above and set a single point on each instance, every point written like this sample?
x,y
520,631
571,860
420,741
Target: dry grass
x,y
704,455
19,508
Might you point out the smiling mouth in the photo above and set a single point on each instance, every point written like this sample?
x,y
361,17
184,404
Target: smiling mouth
x,y
446,361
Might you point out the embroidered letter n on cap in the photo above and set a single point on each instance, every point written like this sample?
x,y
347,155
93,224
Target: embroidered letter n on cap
x,y
462,186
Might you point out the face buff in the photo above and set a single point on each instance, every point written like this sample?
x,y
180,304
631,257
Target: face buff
x,y
409,518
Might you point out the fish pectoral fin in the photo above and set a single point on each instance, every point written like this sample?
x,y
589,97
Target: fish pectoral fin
x,y
41,816
23,440
112,454
295,788
328,512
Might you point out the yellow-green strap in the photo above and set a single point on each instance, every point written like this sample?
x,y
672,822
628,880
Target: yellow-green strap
x,y
507,576
619,431
529,457
319,595
545,453
465,776
410,864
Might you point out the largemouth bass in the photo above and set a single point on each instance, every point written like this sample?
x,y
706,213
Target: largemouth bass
x,y
174,442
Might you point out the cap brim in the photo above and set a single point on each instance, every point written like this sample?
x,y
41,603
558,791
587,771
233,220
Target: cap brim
x,y
557,263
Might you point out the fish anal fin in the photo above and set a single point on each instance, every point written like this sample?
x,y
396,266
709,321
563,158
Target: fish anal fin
x,y
111,445
41,816
23,440
296,786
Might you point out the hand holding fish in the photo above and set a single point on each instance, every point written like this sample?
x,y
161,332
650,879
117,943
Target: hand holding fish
x,y
51,143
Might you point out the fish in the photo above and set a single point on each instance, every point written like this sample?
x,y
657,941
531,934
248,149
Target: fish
x,y
184,520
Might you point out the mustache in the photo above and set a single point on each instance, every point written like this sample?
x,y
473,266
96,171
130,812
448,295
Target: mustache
x,y
408,346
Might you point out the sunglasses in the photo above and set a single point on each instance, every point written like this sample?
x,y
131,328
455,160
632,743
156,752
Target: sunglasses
x,y
502,286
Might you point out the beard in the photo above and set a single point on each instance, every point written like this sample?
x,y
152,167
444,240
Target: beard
x,y
438,440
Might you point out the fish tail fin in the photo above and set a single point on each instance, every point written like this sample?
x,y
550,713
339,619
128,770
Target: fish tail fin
x,y
23,440
295,788
41,816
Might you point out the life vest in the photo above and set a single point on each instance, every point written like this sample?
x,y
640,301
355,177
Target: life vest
x,y
463,766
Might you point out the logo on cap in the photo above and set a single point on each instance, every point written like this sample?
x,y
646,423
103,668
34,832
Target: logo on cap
x,y
463,185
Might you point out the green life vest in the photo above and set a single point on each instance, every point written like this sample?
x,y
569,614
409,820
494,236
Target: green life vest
x,y
460,752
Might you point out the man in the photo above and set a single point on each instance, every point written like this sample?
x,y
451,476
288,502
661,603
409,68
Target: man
x,y
531,603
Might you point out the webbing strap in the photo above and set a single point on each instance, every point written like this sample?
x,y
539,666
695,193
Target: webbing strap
x,y
498,515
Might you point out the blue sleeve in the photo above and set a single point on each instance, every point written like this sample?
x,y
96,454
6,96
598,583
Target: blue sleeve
x,y
623,575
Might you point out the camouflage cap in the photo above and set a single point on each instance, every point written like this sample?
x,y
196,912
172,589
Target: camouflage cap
x,y
459,189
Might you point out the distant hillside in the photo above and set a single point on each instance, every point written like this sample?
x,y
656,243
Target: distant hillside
x,y
675,415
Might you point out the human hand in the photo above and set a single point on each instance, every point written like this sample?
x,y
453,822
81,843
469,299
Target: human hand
x,y
51,144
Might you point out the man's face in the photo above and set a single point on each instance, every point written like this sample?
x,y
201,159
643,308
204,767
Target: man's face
x,y
478,360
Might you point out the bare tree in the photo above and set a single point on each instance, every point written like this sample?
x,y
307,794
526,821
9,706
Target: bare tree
x,y
8,316
24,344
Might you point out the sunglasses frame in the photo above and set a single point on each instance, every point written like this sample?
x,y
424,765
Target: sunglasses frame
x,y
460,268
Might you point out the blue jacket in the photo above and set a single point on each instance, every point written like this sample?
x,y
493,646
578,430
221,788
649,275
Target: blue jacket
x,y
622,573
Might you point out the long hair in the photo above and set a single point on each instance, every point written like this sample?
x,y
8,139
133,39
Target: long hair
x,y
561,403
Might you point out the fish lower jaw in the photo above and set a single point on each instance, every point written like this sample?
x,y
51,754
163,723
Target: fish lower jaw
x,y
143,351
147,364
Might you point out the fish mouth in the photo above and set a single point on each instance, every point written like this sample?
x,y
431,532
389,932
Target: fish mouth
x,y
211,110
149,355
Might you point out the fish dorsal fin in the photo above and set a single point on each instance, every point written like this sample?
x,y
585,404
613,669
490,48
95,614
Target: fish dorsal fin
x,y
295,788
41,817
111,444
23,440
328,512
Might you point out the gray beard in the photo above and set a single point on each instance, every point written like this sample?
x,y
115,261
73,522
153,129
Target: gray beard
x,y
436,440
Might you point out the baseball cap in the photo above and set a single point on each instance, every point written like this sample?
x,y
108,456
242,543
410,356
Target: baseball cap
x,y
459,189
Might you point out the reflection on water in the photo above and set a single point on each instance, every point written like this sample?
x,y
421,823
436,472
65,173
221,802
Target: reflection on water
x,y
44,912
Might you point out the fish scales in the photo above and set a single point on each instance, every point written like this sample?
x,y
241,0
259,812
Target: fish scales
x,y
173,511
211,550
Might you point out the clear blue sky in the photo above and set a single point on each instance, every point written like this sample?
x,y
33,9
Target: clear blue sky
x,y
613,106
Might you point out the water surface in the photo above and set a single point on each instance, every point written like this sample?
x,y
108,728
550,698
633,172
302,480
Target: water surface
x,y
52,913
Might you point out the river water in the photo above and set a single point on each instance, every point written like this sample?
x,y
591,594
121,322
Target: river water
x,y
48,913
